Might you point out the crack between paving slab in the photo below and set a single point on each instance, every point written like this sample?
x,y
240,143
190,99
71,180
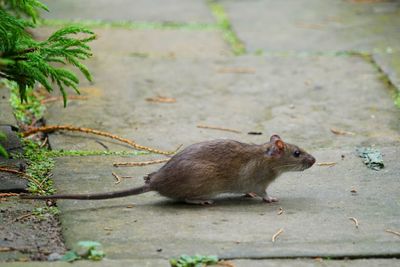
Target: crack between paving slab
x,y
331,257
195,26
368,57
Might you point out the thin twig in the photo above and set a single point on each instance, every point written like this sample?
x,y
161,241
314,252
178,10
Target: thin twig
x,y
28,177
45,179
59,98
8,195
103,145
5,249
52,128
329,164
341,132
225,263
116,177
392,232
161,99
280,211
354,220
276,235
139,163
217,128
44,142
23,216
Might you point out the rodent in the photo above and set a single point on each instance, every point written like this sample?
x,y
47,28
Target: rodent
x,y
204,170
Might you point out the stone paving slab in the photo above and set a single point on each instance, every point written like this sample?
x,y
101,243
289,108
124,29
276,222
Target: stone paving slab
x,y
152,43
237,263
302,103
390,64
317,205
138,10
6,115
314,25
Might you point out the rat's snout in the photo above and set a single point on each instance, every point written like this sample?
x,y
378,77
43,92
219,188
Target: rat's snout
x,y
309,161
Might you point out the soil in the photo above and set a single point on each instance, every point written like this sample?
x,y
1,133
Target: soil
x,y
24,236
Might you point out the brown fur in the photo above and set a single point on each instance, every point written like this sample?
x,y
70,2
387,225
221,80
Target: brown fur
x,y
204,170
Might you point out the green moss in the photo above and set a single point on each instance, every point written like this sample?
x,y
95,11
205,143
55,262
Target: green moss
x,y
130,24
397,100
225,26
28,111
83,153
39,167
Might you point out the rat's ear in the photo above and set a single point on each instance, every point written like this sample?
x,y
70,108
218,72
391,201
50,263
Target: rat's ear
x,y
279,144
274,138
276,150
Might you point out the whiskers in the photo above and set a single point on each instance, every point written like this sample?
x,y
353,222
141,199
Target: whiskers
x,y
290,167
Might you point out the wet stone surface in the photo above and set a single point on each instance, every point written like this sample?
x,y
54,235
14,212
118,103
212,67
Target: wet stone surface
x,y
127,10
321,26
300,88
317,206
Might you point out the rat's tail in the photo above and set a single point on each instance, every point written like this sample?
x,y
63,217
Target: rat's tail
x,y
107,195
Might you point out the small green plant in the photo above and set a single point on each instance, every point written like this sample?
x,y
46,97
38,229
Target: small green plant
x,y
226,27
40,212
397,100
25,112
3,151
87,250
193,261
39,167
27,61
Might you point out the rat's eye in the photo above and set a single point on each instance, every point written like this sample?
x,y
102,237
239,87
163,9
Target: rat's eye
x,y
296,154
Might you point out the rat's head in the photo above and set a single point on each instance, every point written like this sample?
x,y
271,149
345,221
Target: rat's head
x,y
287,157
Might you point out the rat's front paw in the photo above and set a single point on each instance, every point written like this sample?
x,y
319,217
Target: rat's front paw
x,y
270,199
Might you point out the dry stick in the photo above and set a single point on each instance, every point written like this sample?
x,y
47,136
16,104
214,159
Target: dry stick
x,y
44,142
23,216
47,129
8,195
354,220
139,163
55,98
280,211
28,177
116,177
329,164
341,132
217,128
276,235
392,232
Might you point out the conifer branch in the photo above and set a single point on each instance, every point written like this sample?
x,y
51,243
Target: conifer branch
x,y
27,61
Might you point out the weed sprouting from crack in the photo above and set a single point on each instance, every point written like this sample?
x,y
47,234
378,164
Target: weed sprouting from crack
x,y
131,24
225,26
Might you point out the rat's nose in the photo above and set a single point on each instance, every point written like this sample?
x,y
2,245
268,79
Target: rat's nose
x,y
312,160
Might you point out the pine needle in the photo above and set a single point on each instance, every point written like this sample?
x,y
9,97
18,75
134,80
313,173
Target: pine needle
x,y
276,235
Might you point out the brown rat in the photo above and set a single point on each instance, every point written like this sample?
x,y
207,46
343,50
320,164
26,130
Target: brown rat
x,y
204,170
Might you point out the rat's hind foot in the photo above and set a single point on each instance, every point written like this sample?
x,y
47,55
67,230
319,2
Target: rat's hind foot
x,y
199,202
268,199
